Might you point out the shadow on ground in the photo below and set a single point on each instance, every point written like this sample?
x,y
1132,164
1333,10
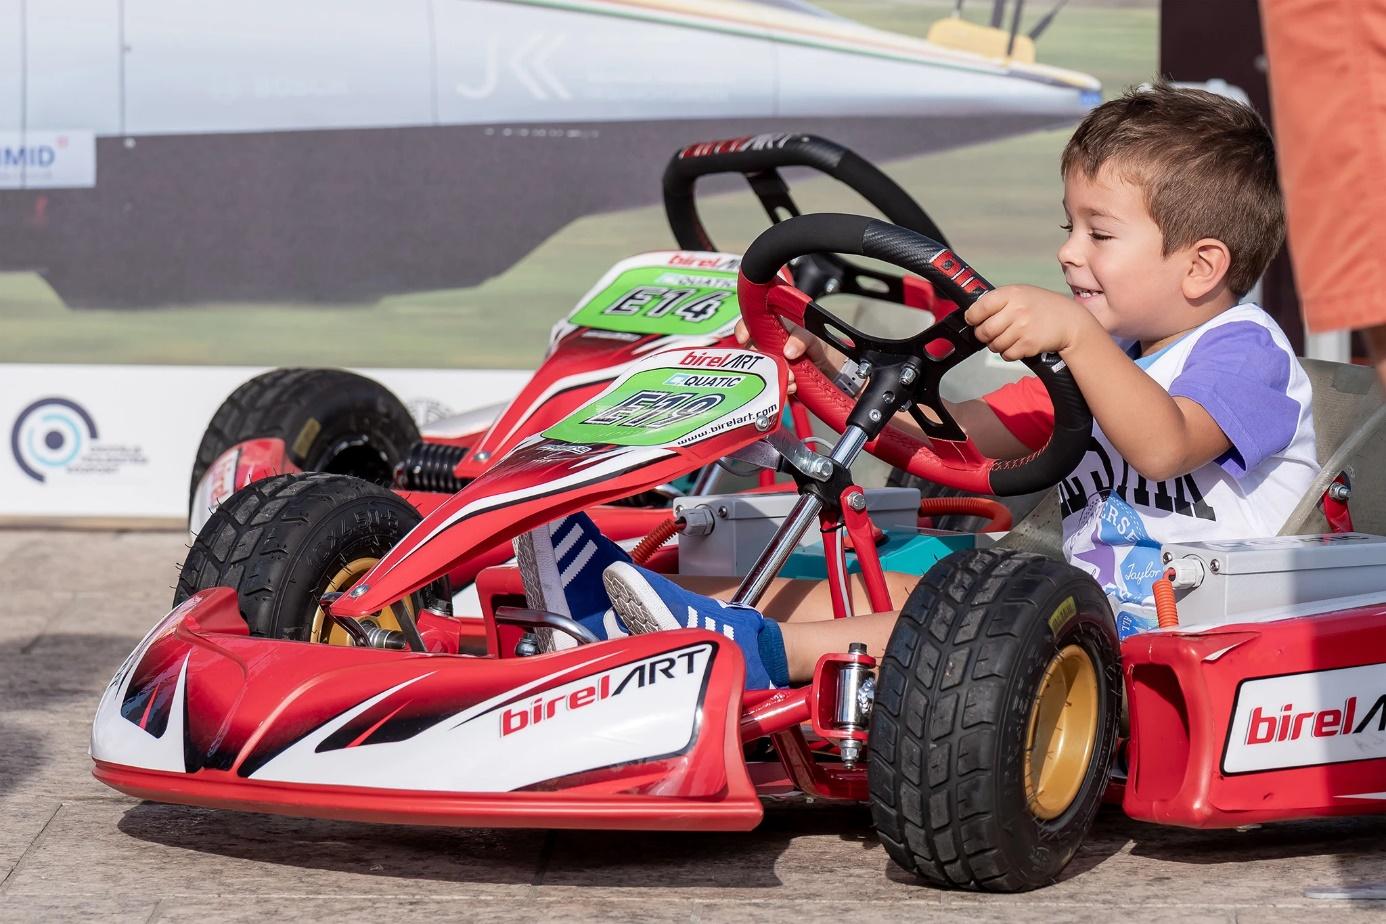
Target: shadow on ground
x,y
597,858
1357,842
22,757
47,676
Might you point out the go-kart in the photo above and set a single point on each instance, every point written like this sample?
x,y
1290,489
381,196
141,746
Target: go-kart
x,y
332,420
305,677
289,420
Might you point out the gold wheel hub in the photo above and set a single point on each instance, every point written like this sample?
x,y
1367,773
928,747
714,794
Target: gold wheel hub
x,y
1062,734
326,631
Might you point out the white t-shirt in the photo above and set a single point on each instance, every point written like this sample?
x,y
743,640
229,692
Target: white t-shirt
x,y
1241,369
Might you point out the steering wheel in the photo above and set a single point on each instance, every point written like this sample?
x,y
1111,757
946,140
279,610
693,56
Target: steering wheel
x,y
905,373
758,158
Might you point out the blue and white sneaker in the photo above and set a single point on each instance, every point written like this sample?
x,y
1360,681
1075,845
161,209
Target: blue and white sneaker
x,y
649,602
561,564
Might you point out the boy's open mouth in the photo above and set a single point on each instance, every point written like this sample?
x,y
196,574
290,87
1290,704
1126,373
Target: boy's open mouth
x,y
1085,294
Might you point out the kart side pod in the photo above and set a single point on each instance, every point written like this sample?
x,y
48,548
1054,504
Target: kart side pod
x,y
638,733
1256,722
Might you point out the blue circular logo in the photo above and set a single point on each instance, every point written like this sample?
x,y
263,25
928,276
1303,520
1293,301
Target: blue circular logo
x,y
49,434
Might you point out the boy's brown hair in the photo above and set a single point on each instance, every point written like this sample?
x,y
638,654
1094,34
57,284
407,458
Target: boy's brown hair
x,y
1206,163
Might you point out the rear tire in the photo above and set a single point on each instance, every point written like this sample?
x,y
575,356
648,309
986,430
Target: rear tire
x,y
281,542
330,420
995,720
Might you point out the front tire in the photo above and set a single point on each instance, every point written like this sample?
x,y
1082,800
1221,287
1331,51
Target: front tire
x,y
283,542
996,716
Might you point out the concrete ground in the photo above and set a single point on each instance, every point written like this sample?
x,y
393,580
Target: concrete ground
x,y
72,604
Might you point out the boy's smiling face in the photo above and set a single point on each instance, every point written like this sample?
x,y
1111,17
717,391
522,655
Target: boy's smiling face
x,y
1113,259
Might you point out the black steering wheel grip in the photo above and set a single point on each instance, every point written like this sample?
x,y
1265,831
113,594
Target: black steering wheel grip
x,y
950,275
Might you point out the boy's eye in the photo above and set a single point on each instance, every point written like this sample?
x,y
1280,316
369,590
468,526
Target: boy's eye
x,y
1099,236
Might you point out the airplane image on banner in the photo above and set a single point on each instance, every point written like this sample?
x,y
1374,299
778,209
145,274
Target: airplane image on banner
x,y
159,152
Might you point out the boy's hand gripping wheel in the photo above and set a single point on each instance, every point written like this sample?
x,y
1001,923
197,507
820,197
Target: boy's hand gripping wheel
x,y
903,374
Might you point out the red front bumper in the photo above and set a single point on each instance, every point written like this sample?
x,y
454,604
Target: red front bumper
x,y
640,733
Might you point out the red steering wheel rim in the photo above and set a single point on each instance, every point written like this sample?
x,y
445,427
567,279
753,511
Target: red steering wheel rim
x,y
956,464
766,298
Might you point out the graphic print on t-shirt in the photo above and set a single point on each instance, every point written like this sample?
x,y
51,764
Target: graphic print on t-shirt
x,y
1180,495
1111,537
1240,369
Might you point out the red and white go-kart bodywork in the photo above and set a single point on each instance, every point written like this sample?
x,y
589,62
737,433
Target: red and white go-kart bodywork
x,y
642,732
1229,724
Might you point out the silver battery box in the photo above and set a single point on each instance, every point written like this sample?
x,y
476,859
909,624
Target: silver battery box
x,y
1251,580
727,532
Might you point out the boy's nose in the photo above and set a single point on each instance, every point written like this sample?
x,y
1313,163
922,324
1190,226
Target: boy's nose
x,y
1070,254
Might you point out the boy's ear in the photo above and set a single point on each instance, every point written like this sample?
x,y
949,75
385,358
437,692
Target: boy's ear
x,y
1209,261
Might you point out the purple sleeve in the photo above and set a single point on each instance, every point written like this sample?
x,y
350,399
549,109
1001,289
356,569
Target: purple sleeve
x,y
1238,374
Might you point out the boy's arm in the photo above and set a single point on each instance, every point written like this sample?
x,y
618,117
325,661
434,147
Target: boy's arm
x,y
1161,436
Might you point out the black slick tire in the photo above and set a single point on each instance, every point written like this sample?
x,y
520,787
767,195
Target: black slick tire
x,y
951,793
280,541
330,420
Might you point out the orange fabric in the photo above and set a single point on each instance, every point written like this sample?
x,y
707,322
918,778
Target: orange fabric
x,y
1024,408
1328,101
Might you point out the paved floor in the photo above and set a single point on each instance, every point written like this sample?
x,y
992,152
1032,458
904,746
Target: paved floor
x,y
72,604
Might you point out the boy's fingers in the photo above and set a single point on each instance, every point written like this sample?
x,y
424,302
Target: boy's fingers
x,y
1006,341
988,330
742,333
985,307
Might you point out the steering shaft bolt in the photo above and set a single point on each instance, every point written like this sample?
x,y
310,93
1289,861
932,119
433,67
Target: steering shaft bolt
x,y
821,469
874,415
856,501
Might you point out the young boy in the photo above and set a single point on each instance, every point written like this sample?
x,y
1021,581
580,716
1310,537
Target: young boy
x,y
1202,414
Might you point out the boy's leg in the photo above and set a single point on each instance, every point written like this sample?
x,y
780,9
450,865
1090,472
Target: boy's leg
x,y
806,642
649,602
804,610
797,600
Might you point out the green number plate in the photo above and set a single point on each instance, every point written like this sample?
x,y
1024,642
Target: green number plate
x,y
670,301
659,406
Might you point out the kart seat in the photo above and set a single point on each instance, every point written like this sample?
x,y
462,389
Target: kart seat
x,y
1350,428
1350,432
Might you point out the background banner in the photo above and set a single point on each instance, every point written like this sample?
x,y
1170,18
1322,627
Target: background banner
x,y
119,441
190,193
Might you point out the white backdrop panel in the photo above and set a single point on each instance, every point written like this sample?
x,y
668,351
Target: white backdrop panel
x,y
119,441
